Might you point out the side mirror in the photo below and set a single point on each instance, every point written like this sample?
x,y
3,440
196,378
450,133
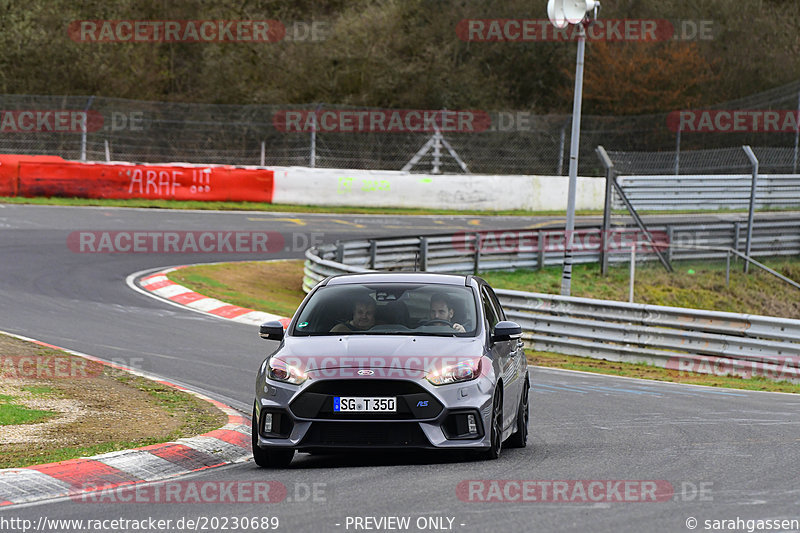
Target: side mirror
x,y
506,331
272,330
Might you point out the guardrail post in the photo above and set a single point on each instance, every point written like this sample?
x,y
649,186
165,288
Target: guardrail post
x,y
339,251
373,252
754,162
541,243
423,253
477,261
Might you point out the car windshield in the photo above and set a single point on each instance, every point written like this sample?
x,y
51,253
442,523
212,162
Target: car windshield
x,y
389,309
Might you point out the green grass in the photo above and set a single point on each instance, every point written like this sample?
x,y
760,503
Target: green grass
x,y
39,390
65,454
12,414
273,287
176,402
278,208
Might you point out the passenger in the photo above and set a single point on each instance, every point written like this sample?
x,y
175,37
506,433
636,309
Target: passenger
x,y
363,317
442,309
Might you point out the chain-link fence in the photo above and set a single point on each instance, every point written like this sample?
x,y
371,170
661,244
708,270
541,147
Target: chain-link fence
x,y
500,142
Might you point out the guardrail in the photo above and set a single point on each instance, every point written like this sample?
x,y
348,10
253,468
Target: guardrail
x,y
531,249
670,337
704,192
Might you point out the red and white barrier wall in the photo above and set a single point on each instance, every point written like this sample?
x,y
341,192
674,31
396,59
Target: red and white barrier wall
x,y
373,188
31,176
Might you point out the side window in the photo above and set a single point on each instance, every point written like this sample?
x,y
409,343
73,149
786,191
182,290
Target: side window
x,y
501,315
488,308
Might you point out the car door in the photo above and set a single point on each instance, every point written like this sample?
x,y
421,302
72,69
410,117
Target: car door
x,y
504,352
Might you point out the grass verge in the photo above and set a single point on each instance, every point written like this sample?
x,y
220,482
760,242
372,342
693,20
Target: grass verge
x,y
248,283
279,208
90,408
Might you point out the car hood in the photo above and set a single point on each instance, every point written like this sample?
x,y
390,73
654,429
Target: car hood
x,y
415,353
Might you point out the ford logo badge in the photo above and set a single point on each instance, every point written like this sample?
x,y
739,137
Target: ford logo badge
x,y
366,372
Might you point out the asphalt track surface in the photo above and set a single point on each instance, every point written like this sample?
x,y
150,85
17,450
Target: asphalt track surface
x,y
714,454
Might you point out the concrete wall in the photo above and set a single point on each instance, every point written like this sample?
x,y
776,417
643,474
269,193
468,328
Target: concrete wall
x,y
368,188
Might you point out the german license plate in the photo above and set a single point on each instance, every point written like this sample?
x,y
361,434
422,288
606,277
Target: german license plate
x,y
347,404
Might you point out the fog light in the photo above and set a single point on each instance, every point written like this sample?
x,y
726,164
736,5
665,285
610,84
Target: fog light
x,y
472,427
268,423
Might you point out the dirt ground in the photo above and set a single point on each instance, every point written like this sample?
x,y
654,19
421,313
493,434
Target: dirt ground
x,y
94,405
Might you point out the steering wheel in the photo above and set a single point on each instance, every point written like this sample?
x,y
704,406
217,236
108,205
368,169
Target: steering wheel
x,y
435,321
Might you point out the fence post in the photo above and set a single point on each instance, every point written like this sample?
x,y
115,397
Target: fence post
x,y
423,253
312,158
728,268
754,162
678,151
542,236
83,128
610,174
263,152
108,151
670,238
632,273
796,135
477,260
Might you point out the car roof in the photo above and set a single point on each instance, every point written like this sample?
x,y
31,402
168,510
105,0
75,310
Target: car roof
x,y
401,277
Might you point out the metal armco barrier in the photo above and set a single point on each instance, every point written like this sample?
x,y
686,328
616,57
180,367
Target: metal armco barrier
x,y
774,191
470,252
671,337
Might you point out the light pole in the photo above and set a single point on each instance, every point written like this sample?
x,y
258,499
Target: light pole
x,y
561,14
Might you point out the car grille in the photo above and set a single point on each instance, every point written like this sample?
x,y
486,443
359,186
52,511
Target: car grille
x,y
413,401
372,434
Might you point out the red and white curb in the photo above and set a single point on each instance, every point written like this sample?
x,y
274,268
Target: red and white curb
x,y
158,284
226,445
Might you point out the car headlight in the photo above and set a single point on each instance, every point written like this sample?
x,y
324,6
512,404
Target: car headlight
x,y
280,371
461,371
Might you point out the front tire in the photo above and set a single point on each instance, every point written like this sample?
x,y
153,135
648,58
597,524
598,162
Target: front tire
x,y
269,458
496,430
520,438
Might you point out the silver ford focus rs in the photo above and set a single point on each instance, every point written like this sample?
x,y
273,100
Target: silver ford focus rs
x,y
392,360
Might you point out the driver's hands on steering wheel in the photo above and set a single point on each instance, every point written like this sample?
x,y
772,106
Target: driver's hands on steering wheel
x,y
456,326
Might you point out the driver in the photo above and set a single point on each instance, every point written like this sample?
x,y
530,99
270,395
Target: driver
x,y
442,309
363,317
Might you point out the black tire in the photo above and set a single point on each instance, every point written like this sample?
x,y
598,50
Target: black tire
x,y
520,438
269,458
496,429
